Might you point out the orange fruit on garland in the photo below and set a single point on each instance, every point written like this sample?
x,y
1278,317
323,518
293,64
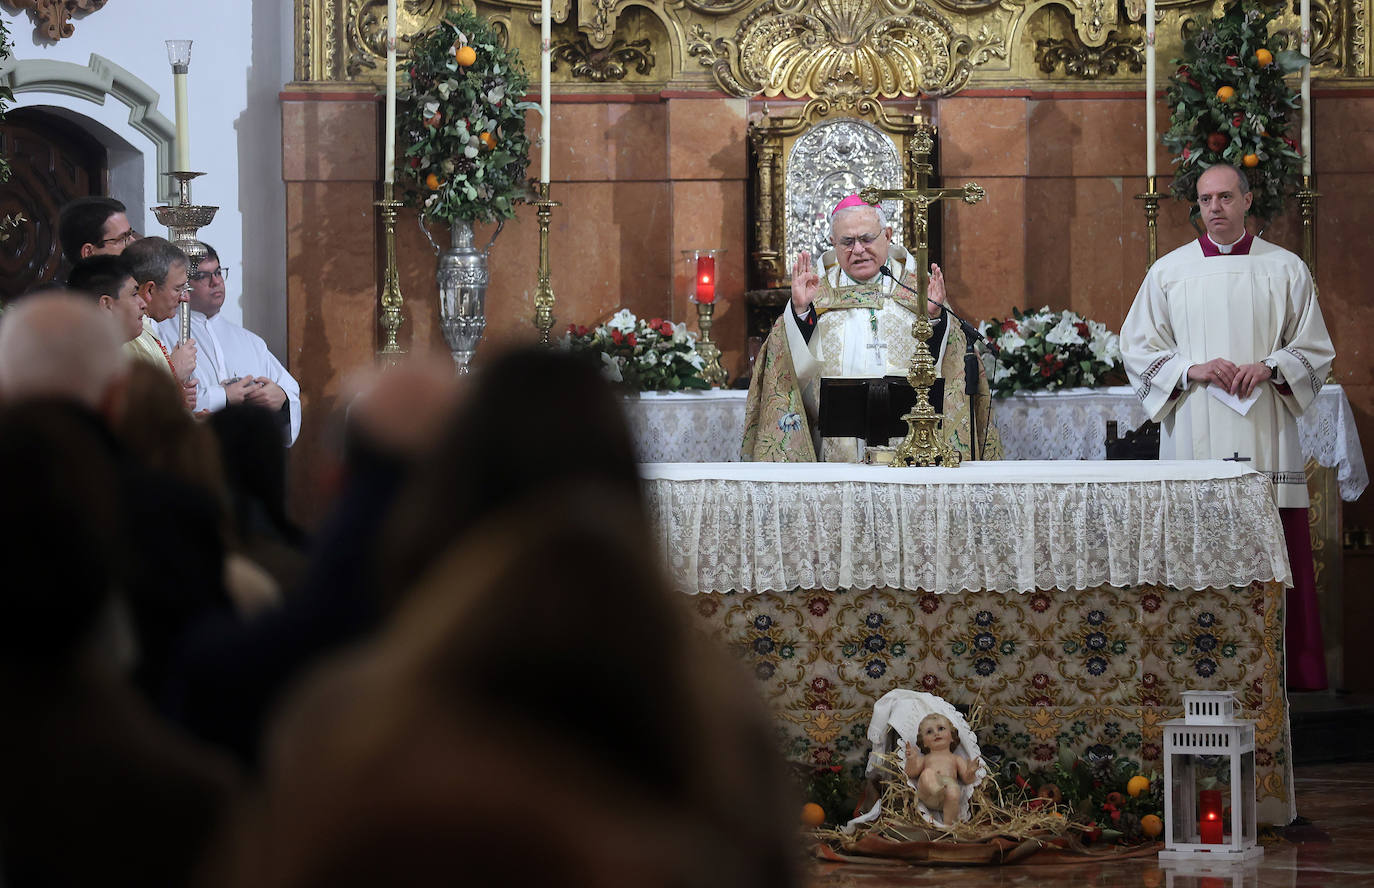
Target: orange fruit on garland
x,y
812,814
1251,160
488,139
432,182
1136,785
1264,58
1226,93
465,56
1151,825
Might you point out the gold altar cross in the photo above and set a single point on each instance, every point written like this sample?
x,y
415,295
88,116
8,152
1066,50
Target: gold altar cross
x,y
922,196
923,445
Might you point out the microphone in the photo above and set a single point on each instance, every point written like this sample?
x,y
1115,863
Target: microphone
x,y
970,331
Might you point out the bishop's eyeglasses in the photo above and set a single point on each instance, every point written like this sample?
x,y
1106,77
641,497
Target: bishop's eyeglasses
x,y
865,239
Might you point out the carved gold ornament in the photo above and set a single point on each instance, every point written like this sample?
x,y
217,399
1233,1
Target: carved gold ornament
x,y
1088,62
601,65
52,18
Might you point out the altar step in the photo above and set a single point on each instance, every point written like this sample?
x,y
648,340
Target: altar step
x,y
1331,727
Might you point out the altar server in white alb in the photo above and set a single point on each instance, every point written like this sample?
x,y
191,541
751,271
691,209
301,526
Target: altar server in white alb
x,y
1232,314
234,365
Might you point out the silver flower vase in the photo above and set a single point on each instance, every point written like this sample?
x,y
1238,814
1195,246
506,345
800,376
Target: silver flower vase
x,y
462,278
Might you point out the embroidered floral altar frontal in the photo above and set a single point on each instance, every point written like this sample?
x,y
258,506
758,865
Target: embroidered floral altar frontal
x,y
1067,603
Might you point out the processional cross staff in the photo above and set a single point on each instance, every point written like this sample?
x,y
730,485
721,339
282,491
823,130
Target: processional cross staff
x,y
923,445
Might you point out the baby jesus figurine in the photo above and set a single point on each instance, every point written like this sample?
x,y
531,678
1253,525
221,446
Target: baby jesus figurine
x,y
940,773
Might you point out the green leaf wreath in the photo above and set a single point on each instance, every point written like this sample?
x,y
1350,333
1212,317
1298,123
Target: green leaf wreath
x,y
463,124
1230,104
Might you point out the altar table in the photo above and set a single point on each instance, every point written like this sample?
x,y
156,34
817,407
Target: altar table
x,y
1067,424
1066,603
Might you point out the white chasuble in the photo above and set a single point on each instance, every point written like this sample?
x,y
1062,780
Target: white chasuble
x,y
224,352
1260,306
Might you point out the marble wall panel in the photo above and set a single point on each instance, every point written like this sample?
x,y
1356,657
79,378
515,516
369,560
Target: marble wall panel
x,y
985,249
1343,135
706,138
982,136
330,140
710,214
617,141
1095,136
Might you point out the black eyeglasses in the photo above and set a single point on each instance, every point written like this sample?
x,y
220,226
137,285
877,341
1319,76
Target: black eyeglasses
x,y
127,237
197,276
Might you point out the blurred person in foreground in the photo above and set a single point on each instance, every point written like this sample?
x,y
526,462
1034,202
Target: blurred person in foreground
x,y
538,708
94,788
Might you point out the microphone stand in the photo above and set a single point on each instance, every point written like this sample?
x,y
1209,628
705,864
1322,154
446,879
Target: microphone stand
x,y
971,335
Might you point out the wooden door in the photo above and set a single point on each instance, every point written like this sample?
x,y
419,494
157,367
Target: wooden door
x,y
52,160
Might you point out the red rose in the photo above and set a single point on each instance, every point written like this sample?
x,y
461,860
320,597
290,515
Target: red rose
x,y
1081,327
1233,61
1238,120
666,329
656,322
631,340
617,337
582,331
572,329
1009,325
1218,141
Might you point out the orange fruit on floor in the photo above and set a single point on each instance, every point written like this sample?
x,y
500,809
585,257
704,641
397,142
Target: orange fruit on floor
x,y
488,139
432,182
465,56
1264,57
1136,785
1251,160
1226,93
812,814
1151,825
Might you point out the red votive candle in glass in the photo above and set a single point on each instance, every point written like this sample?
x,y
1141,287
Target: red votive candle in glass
x,y
1209,827
706,279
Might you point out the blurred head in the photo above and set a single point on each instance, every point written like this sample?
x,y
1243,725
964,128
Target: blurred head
x,y
59,345
1223,198
534,420
159,269
62,529
207,284
94,226
155,426
108,280
862,239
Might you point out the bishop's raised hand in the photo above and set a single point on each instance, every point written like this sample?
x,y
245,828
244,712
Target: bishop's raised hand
x,y
805,284
935,290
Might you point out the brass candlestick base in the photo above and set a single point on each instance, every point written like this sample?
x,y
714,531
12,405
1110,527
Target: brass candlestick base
x,y
391,286
923,445
713,372
1307,201
1151,198
543,294
184,220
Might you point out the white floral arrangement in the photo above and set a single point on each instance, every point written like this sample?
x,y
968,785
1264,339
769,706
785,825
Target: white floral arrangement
x,y
652,355
1047,350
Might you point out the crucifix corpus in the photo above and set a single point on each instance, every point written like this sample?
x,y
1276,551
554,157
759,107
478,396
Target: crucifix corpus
x,y
923,445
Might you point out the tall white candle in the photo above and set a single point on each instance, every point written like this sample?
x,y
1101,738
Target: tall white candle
x,y
1305,12
1149,88
389,165
183,103
545,17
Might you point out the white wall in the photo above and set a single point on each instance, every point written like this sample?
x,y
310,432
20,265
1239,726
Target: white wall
x,y
240,59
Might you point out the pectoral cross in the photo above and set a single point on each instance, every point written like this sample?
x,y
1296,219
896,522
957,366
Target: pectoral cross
x,y
923,196
879,350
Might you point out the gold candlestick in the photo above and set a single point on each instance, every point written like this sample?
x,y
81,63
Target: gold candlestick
x,y
713,372
391,286
923,445
1151,198
543,295
1307,201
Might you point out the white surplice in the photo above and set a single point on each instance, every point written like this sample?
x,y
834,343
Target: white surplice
x,y
1261,306
225,351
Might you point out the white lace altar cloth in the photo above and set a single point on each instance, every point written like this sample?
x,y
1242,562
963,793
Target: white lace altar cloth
x,y
1003,527
1067,424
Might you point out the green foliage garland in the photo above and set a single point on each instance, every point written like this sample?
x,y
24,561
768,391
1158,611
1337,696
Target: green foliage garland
x,y
463,124
1228,106
6,50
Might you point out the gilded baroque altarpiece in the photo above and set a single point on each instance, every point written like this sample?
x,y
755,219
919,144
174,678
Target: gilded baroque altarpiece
x,y
797,49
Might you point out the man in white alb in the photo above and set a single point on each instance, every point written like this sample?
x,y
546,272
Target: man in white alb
x,y
847,320
234,365
1233,315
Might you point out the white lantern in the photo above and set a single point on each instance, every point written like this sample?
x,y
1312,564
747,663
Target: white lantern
x,y
1209,741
